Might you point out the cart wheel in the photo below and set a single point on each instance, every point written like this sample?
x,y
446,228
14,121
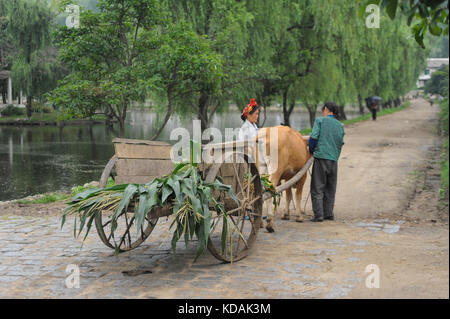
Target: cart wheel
x,y
244,220
126,236
109,171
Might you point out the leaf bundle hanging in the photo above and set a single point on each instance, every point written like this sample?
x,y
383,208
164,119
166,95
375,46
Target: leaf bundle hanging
x,y
183,191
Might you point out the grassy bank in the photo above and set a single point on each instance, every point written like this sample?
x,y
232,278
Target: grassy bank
x,y
59,196
366,117
50,116
443,117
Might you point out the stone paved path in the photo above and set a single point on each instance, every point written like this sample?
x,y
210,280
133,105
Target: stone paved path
x,y
385,216
306,260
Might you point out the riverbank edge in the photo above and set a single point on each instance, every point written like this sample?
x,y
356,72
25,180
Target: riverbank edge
x,y
443,132
37,199
23,122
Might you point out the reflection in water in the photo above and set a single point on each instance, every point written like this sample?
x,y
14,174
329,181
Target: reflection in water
x,y
39,159
11,153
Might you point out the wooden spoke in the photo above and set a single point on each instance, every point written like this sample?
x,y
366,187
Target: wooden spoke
x,y
105,224
127,231
248,191
236,176
251,181
240,234
128,228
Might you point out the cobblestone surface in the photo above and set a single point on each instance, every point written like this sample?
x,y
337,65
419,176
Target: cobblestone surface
x,y
299,260
383,218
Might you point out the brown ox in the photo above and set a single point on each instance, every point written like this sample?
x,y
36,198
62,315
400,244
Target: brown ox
x,y
293,154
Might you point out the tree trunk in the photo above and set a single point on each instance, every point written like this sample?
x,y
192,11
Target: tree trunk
x,y
4,94
121,126
108,117
166,118
285,110
361,107
29,102
203,111
342,115
312,114
291,108
264,106
367,104
122,117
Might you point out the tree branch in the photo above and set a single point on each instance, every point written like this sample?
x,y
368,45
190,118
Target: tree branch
x,y
298,26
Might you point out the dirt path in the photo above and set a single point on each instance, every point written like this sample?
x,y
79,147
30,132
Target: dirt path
x,y
379,159
386,215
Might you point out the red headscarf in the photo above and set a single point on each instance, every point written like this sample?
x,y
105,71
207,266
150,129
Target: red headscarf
x,y
249,107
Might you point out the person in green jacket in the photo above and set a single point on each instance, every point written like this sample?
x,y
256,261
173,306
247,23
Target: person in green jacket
x,y
325,143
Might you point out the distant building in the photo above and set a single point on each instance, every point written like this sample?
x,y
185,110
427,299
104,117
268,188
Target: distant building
x,y
432,65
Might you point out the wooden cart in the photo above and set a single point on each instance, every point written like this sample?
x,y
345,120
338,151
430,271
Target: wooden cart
x,y
140,161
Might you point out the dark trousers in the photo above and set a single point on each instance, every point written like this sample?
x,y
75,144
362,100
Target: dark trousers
x,y
374,114
323,187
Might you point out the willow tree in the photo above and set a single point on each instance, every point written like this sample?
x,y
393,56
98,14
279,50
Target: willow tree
x,y
366,70
6,44
262,76
224,24
30,25
129,51
400,60
179,68
317,86
300,38
428,16
103,54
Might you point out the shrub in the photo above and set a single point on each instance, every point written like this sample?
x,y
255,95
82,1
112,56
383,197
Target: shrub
x,y
40,108
11,110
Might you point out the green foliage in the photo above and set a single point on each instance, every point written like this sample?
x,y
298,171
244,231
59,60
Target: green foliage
x,y
11,110
431,15
183,191
38,107
438,84
269,187
443,116
46,199
365,117
79,189
26,48
194,57
127,53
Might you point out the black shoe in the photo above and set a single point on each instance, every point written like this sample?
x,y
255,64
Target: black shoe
x,y
315,219
329,217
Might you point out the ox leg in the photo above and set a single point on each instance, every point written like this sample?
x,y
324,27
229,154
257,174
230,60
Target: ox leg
x,y
298,198
275,179
267,206
288,204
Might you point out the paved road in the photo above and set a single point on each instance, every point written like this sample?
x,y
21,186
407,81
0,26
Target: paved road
x,y
299,261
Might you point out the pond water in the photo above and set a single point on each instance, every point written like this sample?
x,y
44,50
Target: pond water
x,y
39,159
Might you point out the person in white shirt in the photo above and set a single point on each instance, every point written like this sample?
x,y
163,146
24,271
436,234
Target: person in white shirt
x,y
250,115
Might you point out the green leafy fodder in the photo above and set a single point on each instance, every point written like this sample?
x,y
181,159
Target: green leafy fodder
x,y
183,191
269,187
